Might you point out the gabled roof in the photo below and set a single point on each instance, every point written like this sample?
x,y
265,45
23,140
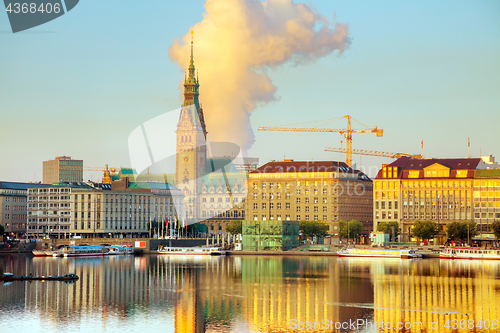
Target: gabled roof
x,y
406,164
304,166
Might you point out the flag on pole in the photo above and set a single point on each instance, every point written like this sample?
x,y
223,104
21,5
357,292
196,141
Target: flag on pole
x,y
422,144
468,142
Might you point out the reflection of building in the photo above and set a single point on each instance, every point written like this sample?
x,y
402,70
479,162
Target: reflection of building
x,y
277,290
456,290
13,206
84,209
438,190
62,169
310,190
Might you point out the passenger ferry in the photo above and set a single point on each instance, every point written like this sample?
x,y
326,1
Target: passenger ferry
x,y
470,253
41,253
379,253
81,251
119,249
214,251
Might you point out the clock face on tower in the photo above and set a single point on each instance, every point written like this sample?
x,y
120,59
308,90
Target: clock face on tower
x,y
185,159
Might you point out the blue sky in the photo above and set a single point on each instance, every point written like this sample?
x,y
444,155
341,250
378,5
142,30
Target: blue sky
x,y
420,70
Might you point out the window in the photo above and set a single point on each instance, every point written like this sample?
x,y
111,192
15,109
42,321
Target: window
x,y
307,200
324,209
298,200
287,195
307,218
255,206
414,174
325,192
298,192
263,196
315,200
278,195
298,209
315,208
263,205
287,205
307,208
278,205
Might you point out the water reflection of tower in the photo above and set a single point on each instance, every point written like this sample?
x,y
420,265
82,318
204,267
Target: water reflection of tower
x,y
205,290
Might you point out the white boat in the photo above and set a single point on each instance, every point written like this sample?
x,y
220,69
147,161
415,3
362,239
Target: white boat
x,y
120,249
379,253
41,253
81,251
470,253
214,251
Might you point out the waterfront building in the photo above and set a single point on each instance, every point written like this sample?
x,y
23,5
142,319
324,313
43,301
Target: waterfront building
x,y
486,196
62,169
439,190
13,205
214,187
122,209
488,162
326,191
191,135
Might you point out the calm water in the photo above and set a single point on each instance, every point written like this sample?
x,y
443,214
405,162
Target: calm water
x,y
250,294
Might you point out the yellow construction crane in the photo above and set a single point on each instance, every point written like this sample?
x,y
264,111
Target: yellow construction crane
x,y
346,132
373,153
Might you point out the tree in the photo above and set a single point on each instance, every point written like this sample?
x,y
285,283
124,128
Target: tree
x,y
313,228
386,227
350,229
495,227
425,229
234,228
462,231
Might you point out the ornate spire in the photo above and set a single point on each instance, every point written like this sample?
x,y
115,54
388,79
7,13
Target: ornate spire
x,y
191,85
191,89
191,62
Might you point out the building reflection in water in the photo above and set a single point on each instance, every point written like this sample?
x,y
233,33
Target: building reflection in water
x,y
436,291
247,293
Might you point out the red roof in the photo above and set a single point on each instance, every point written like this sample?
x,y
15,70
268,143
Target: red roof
x,y
304,166
405,164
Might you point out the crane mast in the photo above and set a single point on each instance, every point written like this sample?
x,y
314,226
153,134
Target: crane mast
x,y
346,132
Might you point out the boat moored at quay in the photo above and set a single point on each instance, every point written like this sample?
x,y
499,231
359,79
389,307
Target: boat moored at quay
x,y
213,251
42,253
81,251
119,249
470,253
379,253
